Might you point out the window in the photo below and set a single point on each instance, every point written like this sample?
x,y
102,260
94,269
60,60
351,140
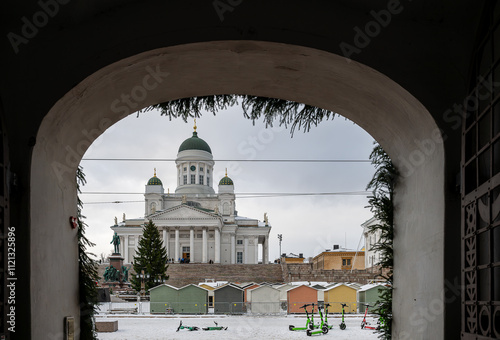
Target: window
x,y
239,241
193,179
239,257
185,169
208,171
201,179
346,262
185,179
210,301
208,181
185,249
201,168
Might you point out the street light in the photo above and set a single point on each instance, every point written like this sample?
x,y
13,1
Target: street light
x,y
280,237
159,279
143,278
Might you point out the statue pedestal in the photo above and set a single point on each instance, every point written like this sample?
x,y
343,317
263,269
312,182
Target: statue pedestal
x,y
116,260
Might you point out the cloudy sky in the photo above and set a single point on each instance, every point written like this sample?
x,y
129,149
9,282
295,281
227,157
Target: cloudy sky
x,y
309,223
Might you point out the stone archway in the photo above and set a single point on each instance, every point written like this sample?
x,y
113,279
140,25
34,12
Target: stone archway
x,y
376,103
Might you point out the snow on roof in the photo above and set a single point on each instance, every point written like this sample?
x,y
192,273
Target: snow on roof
x,y
192,284
295,287
371,285
213,284
164,284
229,285
347,284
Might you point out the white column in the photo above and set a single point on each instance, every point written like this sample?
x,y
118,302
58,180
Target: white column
x,y
233,248
191,244
245,252
126,249
120,248
166,240
265,249
176,259
136,243
205,246
256,251
217,245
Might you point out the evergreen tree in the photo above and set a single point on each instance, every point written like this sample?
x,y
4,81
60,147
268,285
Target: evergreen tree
x,y
151,257
87,267
381,204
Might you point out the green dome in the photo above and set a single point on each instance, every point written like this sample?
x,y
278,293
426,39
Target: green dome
x,y
195,143
154,181
226,181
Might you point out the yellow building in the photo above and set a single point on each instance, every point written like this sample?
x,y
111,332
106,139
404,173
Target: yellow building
x,y
340,259
293,259
341,293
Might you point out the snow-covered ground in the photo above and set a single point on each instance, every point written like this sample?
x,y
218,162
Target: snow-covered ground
x,y
239,327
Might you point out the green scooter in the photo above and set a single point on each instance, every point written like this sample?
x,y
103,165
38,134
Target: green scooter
x,y
216,328
342,324
323,327
191,328
309,322
326,316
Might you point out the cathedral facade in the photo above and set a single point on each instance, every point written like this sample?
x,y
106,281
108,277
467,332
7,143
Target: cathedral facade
x,y
197,224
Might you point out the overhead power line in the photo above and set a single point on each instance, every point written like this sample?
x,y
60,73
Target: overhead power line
x,y
241,194
233,160
245,195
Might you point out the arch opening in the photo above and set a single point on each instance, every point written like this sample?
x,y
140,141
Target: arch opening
x,y
390,114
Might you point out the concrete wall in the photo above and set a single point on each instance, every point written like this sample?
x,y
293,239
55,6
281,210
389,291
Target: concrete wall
x,y
68,76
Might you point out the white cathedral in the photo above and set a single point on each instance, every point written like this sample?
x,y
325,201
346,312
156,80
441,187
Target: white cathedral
x,y
195,222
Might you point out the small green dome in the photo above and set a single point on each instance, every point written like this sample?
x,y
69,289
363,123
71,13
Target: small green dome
x,y
195,143
226,181
154,181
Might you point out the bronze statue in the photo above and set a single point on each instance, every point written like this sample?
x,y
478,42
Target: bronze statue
x,y
116,243
106,274
125,273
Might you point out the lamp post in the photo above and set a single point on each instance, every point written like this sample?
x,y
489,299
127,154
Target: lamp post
x,y
143,278
160,279
280,237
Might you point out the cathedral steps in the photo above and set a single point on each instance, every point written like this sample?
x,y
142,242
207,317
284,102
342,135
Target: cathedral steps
x,y
183,274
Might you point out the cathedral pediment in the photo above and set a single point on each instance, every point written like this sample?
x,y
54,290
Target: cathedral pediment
x,y
182,212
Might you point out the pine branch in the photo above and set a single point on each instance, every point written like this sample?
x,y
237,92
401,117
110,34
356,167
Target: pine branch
x,y
290,114
88,274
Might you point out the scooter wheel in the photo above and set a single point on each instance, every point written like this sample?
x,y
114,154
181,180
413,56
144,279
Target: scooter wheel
x,y
362,325
325,329
291,327
342,326
308,332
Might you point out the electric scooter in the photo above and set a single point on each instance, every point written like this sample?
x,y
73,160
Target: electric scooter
x,y
364,323
191,328
342,324
216,328
309,322
323,328
326,316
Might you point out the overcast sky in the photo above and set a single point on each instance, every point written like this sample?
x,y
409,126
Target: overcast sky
x,y
309,224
